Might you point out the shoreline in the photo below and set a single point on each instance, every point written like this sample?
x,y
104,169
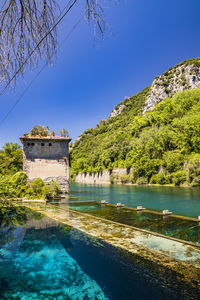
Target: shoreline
x,y
136,184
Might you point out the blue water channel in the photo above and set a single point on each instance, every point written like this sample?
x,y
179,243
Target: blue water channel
x,y
46,260
179,200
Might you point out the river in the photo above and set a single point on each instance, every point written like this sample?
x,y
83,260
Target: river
x,y
179,200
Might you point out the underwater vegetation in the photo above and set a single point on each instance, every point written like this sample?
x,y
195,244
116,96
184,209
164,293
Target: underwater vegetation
x,y
183,229
12,214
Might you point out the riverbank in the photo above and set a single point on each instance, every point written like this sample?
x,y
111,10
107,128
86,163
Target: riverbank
x,y
117,176
161,253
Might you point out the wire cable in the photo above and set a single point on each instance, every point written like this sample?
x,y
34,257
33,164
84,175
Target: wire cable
x,y
26,60
37,75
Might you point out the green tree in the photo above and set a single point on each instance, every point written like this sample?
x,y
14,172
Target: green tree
x,y
63,132
10,158
40,130
52,133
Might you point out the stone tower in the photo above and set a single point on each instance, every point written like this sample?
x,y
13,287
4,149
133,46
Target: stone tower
x,y
47,158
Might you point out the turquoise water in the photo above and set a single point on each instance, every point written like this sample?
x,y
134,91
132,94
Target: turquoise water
x,y
47,260
181,201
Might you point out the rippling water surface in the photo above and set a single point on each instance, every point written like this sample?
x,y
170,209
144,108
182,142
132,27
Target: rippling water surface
x,y
179,200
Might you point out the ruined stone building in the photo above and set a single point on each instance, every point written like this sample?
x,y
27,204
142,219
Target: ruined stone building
x,y
47,158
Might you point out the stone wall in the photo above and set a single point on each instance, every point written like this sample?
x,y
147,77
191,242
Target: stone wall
x,y
119,171
45,168
47,158
94,178
104,177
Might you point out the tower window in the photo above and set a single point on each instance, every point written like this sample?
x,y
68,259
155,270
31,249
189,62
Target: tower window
x,y
42,144
50,144
32,144
28,144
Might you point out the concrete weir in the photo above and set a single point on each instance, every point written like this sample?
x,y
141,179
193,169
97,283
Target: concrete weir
x,y
181,258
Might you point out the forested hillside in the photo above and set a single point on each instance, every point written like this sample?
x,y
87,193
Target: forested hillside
x,y
161,146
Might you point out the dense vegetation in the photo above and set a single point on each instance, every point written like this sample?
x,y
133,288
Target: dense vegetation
x,y
10,159
14,183
160,147
17,186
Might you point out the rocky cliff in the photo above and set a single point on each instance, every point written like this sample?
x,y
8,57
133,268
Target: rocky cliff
x,y
117,175
183,76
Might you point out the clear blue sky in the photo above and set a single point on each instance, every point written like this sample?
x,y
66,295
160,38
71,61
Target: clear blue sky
x,y
87,80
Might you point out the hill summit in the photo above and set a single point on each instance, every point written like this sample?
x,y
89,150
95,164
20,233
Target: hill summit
x,y
185,75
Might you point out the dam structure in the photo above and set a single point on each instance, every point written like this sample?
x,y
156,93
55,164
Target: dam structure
x,y
47,158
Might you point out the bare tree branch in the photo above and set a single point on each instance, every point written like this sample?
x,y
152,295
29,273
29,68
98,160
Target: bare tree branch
x,y
23,24
28,32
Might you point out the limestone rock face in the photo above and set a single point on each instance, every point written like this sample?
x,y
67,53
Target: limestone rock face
x,y
94,178
103,177
117,111
176,79
183,76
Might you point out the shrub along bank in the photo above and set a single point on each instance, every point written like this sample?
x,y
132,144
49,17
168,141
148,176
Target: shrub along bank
x,y
17,186
14,183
